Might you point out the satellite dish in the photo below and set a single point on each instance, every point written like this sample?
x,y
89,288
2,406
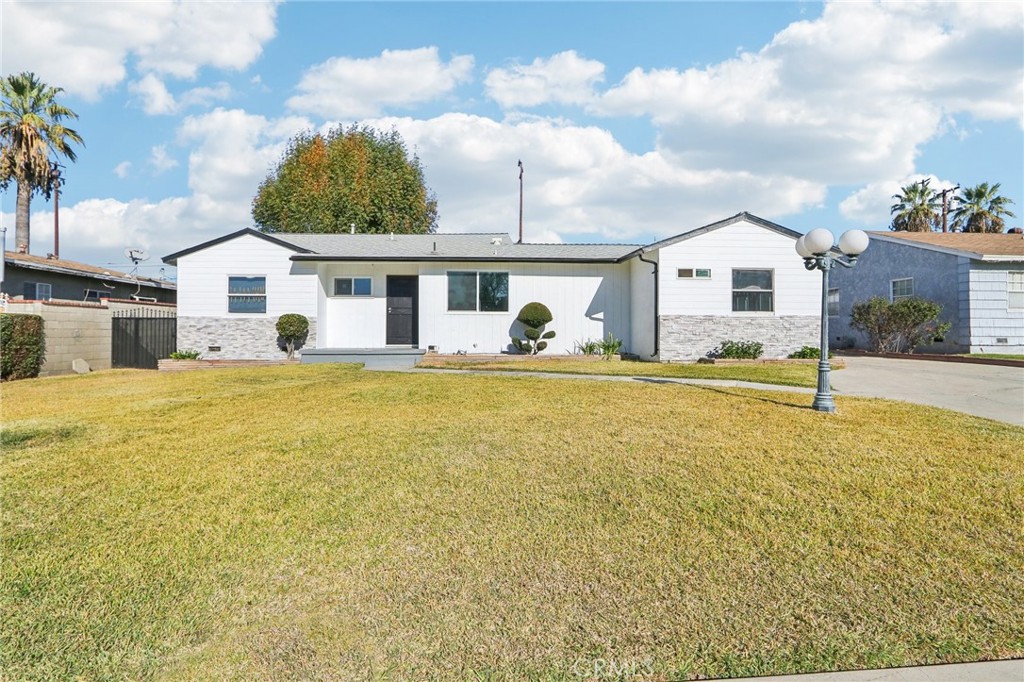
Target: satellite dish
x,y
136,255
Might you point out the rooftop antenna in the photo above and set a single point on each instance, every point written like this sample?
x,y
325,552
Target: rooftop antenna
x,y
520,202
136,256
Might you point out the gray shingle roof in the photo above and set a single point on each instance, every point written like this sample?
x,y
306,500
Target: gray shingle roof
x,y
447,247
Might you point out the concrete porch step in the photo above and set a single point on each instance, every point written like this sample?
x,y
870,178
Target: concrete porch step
x,y
371,358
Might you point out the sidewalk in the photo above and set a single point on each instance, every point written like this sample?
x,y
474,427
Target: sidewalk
x,y
988,671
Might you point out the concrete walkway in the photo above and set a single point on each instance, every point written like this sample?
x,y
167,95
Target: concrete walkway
x,y
982,390
988,671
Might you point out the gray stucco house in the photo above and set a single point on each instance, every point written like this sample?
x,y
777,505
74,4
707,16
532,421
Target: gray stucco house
x,y
977,278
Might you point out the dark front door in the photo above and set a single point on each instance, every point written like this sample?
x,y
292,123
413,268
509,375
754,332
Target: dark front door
x,y
403,310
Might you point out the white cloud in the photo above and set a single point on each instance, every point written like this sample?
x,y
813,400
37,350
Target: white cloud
x,y
160,161
346,88
871,204
157,99
122,169
95,41
579,181
847,98
564,78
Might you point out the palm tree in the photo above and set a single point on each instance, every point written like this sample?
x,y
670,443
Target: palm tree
x,y
30,131
981,209
916,209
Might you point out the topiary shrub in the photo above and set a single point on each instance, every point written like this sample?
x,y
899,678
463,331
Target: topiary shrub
x,y
22,346
533,317
293,328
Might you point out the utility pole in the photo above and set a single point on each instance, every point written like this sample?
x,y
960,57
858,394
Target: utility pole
x,y
945,207
55,181
520,202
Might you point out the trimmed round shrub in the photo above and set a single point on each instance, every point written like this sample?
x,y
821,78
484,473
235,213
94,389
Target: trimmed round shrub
x,y
534,315
292,326
532,334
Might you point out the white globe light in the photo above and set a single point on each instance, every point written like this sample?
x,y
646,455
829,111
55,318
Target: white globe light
x,y
853,243
801,248
818,241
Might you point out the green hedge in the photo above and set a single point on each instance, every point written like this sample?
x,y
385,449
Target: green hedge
x,y
22,346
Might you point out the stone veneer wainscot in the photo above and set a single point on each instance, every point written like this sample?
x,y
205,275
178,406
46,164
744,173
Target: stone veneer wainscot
x,y
689,337
238,338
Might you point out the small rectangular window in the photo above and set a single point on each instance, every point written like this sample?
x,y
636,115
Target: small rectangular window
x,y
1015,290
684,273
247,295
478,291
901,288
694,273
753,291
95,294
36,291
833,302
702,273
353,286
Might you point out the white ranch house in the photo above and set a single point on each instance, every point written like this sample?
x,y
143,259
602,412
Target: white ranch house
x,y
676,299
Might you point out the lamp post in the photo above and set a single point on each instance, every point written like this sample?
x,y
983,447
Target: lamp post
x,y
815,248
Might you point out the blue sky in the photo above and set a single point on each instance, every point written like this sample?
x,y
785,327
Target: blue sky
x,y
635,121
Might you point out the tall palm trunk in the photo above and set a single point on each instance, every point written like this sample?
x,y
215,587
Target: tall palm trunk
x,y
21,230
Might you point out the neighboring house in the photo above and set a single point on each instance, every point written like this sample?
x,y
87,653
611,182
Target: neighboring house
x,y
977,278
737,279
37,278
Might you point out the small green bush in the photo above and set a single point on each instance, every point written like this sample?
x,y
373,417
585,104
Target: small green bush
x,y
738,350
292,327
22,346
610,346
186,354
808,353
588,347
533,317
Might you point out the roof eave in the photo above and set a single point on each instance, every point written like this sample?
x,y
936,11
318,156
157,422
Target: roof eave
x,y
300,257
172,259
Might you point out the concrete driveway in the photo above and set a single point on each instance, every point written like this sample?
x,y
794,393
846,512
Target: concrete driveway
x,y
984,390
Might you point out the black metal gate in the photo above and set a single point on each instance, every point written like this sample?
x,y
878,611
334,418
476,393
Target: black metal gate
x,y
141,337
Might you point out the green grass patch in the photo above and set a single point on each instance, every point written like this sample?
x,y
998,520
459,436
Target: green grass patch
x,y
997,356
319,522
782,373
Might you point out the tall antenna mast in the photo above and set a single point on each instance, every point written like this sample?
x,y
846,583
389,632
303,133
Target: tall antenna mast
x,y
520,202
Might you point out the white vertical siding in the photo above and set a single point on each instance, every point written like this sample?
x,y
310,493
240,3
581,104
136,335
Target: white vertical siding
x,y
203,279
738,246
642,308
587,301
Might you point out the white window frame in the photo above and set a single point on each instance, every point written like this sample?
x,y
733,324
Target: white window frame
x,y
732,291
695,273
265,294
353,278
43,286
447,302
833,302
1015,290
892,293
